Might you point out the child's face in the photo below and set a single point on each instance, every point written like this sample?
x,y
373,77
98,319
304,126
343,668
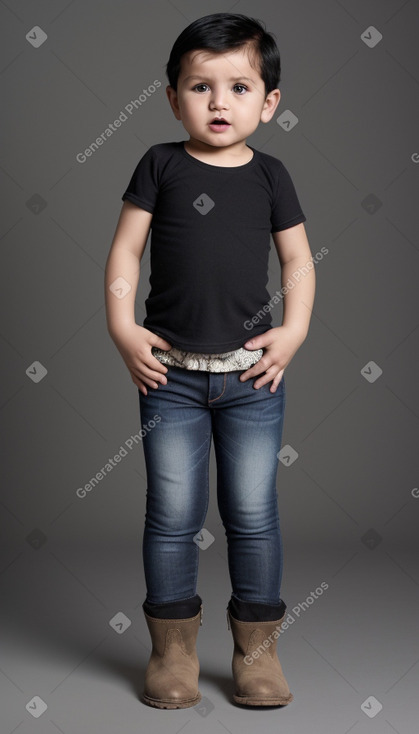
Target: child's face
x,y
221,85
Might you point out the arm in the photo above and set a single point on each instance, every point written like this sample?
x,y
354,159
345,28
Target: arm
x,y
133,342
282,342
294,253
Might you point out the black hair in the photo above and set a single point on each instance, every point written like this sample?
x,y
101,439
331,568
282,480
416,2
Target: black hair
x,y
220,32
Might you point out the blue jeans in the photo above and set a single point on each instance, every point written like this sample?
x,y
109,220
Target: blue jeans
x,y
179,419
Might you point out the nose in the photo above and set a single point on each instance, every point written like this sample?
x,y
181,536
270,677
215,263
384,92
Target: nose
x,y
218,98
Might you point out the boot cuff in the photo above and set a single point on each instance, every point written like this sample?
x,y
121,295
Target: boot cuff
x,y
179,609
246,611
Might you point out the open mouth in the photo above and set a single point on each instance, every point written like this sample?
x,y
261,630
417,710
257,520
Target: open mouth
x,y
219,125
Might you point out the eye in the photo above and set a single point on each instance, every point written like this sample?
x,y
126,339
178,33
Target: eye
x,y
195,88
241,86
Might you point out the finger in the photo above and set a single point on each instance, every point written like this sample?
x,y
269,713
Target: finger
x,y
141,381
142,388
262,340
276,381
144,371
261,382
267,377
156,365
161,343
259,368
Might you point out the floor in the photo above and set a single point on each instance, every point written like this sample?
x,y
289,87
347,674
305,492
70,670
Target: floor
x,y
350,653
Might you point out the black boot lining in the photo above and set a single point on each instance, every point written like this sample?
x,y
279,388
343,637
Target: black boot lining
x,y
249,611
179,609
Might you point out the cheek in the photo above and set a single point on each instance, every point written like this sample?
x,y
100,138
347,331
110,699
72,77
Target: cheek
x,y
194,107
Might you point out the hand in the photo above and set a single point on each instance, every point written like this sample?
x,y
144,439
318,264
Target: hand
x,y
134,344
280,344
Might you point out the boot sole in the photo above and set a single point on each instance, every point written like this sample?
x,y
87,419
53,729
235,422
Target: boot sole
x,y
170,704
255,701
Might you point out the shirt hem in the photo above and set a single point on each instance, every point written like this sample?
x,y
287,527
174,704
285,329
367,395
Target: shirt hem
x,y
206,348
289,223
138,202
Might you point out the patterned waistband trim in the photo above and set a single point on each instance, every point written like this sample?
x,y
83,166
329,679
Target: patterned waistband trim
x,y
238,359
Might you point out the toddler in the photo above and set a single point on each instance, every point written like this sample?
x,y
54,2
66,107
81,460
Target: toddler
x,y
207,362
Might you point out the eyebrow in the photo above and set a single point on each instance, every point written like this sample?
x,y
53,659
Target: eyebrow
x,y
236,79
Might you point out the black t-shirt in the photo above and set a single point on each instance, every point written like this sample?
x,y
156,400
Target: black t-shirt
x,y
210,243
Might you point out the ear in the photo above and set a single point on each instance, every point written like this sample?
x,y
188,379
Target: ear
x,y
270,105
172,97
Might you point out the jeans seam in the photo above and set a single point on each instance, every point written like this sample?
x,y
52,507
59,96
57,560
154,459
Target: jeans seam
x,y
223,391
204,514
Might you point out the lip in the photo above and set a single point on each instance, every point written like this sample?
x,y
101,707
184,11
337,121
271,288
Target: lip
x,y
217,127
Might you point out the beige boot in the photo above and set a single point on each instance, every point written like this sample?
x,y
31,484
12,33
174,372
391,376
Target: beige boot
x,y
171,680
257,672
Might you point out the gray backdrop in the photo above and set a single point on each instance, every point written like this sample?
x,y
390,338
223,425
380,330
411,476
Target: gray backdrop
x,y
75,640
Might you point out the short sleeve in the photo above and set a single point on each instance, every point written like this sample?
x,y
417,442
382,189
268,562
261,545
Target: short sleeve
x,y
286,209
143,187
